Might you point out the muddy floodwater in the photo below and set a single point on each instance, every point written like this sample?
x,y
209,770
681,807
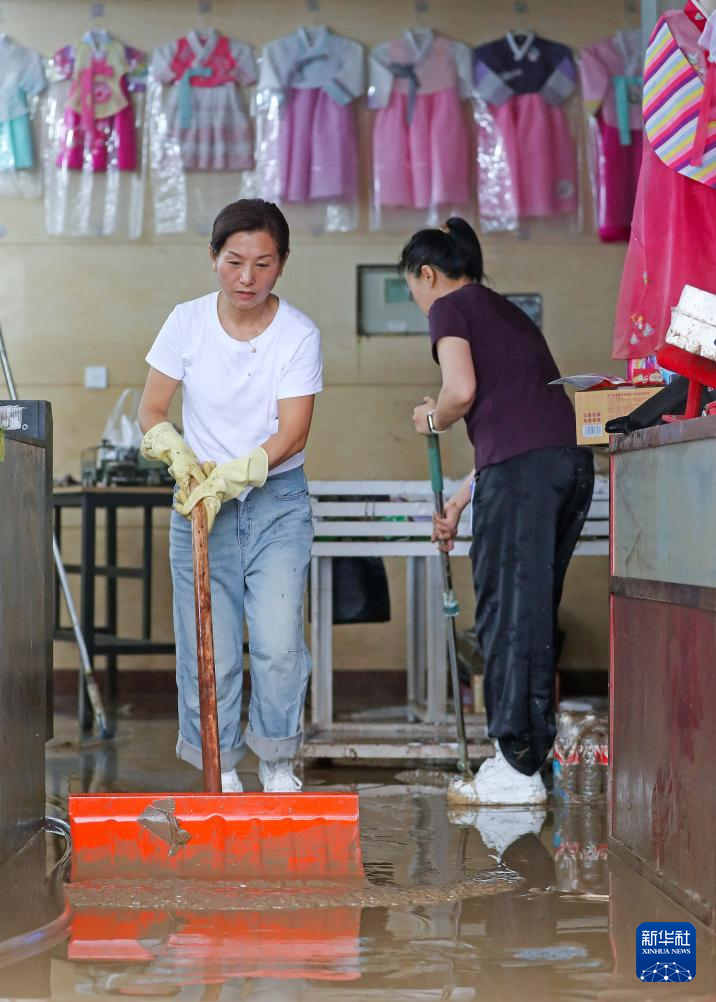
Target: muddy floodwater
x,y
482,904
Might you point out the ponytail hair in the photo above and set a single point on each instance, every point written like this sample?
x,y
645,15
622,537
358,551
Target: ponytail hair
x,y
454,249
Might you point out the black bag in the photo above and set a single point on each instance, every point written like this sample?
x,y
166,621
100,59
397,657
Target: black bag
x,y
670,400
360,590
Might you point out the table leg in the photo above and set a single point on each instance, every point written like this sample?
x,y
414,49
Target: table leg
x,y
147,575
87,582
415,639
315,636
58,537
436,643
322,641
111,604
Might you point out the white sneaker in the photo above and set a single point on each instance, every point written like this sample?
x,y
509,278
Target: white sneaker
x,y
230,782
278,777
497,782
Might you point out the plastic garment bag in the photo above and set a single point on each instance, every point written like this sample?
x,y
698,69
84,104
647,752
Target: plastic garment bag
x,y
200,137
673,238
528,163
93,125
22,80
306,128
610,73
421,142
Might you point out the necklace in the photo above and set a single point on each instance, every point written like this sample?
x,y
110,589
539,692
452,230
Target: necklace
x,y
261,328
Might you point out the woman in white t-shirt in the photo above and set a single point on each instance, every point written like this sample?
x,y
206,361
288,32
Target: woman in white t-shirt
x,y
249,365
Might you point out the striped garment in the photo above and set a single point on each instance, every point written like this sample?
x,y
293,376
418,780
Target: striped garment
x,y
673,93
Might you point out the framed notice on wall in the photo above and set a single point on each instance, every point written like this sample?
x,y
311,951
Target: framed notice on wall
x,y
386,307
530,303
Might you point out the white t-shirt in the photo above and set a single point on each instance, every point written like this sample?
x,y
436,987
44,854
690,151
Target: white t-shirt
x,y
231,393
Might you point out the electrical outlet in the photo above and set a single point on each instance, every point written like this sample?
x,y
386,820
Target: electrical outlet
x,y
96,377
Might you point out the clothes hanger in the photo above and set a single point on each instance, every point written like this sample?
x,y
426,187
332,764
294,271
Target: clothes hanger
x,y
203,18
632,14
312,24
421,25
97,29
522,32
313,9
422,9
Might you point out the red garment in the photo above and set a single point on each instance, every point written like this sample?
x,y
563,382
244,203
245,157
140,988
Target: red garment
x,y
695,15
220,61
115,136
673,240
673,244
617,176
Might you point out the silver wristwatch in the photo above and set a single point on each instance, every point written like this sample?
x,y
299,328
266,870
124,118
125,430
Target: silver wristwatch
x,y
431,424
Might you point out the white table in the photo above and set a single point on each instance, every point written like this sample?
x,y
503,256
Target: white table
x,y
358,518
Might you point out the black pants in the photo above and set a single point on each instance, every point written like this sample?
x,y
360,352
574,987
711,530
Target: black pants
x,y
528,513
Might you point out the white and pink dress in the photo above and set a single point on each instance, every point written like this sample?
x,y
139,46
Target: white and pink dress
x,y
610,73
673,238
525,82
311,79
204,107
418,84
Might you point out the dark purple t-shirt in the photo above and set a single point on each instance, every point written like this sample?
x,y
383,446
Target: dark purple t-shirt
x,y
514,410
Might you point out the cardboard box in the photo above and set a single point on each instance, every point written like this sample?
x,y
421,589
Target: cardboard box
x,y
594,408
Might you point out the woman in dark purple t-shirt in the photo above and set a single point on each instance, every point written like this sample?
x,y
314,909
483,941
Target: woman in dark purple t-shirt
x,y
532,491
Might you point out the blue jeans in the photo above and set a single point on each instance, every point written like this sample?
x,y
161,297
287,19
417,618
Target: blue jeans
x,y
259,552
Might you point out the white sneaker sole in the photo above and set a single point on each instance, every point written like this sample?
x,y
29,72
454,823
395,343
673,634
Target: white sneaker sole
x,y
460,792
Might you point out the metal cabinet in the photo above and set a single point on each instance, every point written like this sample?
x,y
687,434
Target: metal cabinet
x,y
663,671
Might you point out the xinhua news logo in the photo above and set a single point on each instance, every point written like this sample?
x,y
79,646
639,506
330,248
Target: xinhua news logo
x,y
666,951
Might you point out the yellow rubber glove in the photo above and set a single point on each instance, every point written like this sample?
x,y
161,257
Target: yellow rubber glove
x,y
223,483
164,443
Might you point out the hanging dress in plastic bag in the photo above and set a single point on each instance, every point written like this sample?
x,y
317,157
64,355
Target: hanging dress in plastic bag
x,y
307,138
94,119
418,84
673,238
610,72
199,132
527,154
22,79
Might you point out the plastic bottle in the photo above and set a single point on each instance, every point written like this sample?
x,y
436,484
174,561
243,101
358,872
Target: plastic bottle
x,y
594,867
565,761
592,772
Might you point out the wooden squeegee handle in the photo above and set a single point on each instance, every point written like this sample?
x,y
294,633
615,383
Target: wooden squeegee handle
x,y
211,756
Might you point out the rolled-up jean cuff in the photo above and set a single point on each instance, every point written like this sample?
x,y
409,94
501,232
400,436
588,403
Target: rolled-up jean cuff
x,y
273,749
230,757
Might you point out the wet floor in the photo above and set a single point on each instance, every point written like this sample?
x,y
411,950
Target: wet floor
x,y
471,904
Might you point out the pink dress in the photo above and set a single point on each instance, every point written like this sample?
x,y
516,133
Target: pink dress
x,y
315,77
205,112
525,81
98,126
610,72
421,146
673,240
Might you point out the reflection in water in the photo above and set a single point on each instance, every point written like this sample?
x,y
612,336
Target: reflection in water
x,y
211,933
554,936
169,949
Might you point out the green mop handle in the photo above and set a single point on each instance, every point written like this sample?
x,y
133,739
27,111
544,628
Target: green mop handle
x,y
450,604
450,608
436,467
